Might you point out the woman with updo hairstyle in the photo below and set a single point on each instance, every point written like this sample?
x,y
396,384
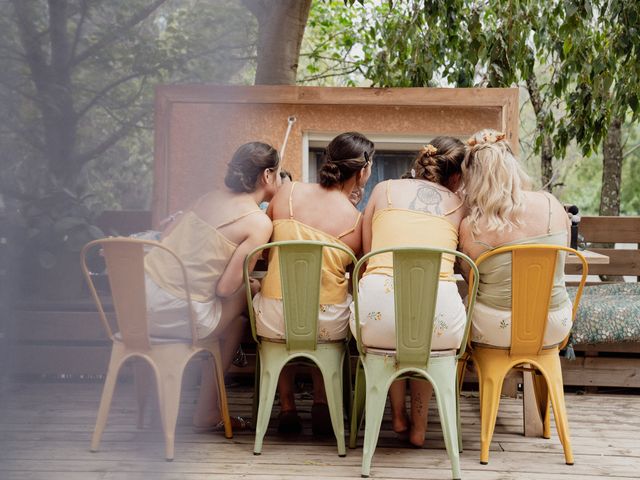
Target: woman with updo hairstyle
x,y
422,210
503,210
212,238
317,211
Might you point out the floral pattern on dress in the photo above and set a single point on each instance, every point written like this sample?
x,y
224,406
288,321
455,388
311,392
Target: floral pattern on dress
x,y
504,323
607,313
323,308
323,334
440,326
388,285
374,316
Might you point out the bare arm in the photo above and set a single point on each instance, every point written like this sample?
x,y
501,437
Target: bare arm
x,y
367,219
232,277
463,239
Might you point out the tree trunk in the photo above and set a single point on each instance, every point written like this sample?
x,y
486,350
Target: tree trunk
x,y
546,153
52,80
611,175
280,30
611,169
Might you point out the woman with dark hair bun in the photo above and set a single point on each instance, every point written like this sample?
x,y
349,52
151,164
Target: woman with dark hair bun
x,y
212,238
317,211
421,210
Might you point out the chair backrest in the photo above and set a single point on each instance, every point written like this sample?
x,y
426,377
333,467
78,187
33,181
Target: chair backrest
x,y
124,258
300,264
532,275
416,277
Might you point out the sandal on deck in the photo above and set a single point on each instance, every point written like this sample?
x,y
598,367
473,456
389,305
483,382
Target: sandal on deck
x,y
238,424
289,423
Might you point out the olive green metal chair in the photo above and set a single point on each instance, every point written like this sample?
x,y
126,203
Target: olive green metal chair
x,y
300,274
416,274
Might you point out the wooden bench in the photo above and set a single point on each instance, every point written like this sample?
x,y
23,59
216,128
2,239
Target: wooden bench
x,y
611,363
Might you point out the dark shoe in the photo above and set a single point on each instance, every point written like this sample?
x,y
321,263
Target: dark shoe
x,y
289,423
321,420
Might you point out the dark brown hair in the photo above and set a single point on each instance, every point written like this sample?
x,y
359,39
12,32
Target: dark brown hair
x,y
248,163
440,160
346,154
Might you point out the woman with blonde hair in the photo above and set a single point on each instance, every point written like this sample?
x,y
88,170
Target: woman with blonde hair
x,y
424,210
503,210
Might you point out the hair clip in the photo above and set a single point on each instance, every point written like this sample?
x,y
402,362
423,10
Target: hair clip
x,y
413,173
429,150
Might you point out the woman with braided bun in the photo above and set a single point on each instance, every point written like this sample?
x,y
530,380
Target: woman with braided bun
x,y
503,210
317,211
424,210
212,238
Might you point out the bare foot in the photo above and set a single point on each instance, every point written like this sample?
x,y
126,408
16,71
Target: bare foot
x,y
416,436
400,423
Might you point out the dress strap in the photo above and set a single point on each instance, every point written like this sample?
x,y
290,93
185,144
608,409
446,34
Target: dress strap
x,y
486,245
347,232
389,205
453,210
293,185
246,214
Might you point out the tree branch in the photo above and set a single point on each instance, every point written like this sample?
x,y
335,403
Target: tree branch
x,y
76,37
114,34
101,93
29,39
81,159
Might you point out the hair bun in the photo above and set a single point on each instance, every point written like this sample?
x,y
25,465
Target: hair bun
x,y
329,173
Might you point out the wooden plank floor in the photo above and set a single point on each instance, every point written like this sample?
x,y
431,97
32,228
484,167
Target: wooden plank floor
x,y
45,430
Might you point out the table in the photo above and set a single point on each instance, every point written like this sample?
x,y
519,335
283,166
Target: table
x,y
532,420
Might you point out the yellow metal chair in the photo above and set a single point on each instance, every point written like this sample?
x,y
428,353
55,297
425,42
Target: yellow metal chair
x,y
533,268
167,357
300,275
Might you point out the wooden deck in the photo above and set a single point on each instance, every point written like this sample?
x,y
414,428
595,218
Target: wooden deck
x,y
45,430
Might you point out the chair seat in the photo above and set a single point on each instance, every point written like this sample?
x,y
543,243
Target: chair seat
x,y
392,353
607,313
156,340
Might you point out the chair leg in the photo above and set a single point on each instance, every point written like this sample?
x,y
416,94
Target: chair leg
x,y
445,389
542,399
169,380
374,410
553,371
115,363
357,411
491,374
332,378
222,391
256,390
142,380
271,363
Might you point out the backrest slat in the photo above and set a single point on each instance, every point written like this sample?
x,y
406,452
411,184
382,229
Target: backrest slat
x,y
416,280
300,274
532,274
125,268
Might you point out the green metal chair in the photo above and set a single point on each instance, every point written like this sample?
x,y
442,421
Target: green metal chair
x,y
416,275
300,272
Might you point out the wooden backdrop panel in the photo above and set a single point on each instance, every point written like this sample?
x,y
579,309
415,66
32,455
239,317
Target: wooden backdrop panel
x,y
199,127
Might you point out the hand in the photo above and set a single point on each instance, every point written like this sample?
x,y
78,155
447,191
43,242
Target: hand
x,y
355,197
254,284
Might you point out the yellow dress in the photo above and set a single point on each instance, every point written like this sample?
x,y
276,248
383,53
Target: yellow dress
x,y
334,297
394,227
205,253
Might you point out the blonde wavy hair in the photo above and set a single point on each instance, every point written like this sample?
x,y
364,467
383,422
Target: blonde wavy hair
x,y
494,182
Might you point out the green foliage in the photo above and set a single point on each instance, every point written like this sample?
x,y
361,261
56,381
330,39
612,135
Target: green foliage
x,y
93,85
